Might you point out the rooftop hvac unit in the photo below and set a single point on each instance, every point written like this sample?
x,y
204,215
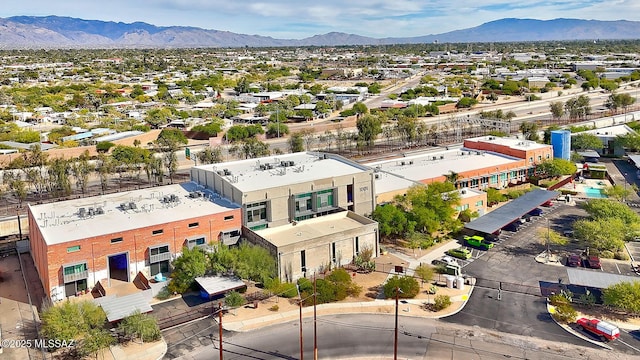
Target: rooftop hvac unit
x,y
402,163
82,212
291,163
125,206
91,211
99,211
411,162
173,198
226,172
433,158
263,167
441,157
377,176
132,206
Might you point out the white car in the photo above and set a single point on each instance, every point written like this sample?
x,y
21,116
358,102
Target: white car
x,y
445,260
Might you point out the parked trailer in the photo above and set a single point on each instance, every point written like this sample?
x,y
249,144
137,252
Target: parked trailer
x,y
602,329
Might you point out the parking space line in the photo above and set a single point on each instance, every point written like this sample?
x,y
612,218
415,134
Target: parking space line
x,y
619,272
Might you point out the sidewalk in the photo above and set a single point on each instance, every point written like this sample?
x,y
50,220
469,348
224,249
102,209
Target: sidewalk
x,y
246,319
410,307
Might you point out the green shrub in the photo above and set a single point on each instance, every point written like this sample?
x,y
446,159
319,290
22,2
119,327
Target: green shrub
x,y
287,290
142,326
565,313
234,299
621,255
606,254
441,302
274,308
409,287
104,146
163,294
559,299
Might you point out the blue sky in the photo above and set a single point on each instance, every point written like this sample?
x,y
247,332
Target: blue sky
x,y
296,19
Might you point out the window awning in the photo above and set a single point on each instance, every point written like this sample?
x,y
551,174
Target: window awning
x,y
216,285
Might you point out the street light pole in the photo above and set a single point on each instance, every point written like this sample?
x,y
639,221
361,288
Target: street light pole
x,y
395,340
624,197
220,327
300,305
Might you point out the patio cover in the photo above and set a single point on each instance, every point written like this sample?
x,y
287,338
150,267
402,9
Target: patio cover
x,y
508,213
215,285
596,279
119,307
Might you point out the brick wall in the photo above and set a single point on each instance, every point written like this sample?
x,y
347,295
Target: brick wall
x,y
95,251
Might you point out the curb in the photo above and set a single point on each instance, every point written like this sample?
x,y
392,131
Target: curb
x,y
239,326
568,329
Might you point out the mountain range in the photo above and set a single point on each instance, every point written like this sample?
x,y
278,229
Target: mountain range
x,y
33,32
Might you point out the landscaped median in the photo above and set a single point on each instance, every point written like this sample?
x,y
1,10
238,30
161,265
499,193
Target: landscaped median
x,y
248,318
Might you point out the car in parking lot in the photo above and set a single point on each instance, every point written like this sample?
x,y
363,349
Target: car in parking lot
x,y
547,204
445,260
574,260
460,253
514,226
478,242
593,262
535,212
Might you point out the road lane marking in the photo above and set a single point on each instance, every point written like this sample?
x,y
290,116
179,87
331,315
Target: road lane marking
x,y
628,345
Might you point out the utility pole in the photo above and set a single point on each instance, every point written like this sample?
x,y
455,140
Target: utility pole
x,y
220,327
315,328
301,345
395,340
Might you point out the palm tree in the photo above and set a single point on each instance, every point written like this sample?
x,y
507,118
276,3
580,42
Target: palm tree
x,y
452,177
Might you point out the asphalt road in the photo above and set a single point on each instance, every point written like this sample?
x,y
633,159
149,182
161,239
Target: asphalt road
x,y
363,337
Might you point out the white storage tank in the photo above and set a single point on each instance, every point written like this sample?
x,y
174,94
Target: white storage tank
x,y
460,283
450,279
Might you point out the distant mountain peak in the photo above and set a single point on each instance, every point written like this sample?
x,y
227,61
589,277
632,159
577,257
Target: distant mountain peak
x,y
62,32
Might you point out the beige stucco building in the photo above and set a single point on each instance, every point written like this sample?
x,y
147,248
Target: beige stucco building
x,y
286,200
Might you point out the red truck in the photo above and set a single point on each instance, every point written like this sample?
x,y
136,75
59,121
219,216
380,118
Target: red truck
x,y
602,329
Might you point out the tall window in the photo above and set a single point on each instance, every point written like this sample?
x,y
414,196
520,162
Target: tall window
x,y
256,212
303,261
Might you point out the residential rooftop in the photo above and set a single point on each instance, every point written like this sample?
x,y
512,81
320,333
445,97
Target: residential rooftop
x,y
299,232
124,211
283,170
611,131
401,173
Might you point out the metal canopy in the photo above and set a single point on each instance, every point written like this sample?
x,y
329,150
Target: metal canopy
x,y
635,159
118,308
215,285
508,213
596,279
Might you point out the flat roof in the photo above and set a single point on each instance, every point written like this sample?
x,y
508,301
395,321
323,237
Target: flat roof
x,y
313,228
215,285
610,131
401,173
508,213
514,143
597,279
119,307
247,175
61,222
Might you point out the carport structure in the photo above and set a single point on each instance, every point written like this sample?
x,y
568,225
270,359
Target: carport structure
x,y
212,286
508,213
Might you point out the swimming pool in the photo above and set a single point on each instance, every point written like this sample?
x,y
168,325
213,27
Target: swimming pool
x,y
594,192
